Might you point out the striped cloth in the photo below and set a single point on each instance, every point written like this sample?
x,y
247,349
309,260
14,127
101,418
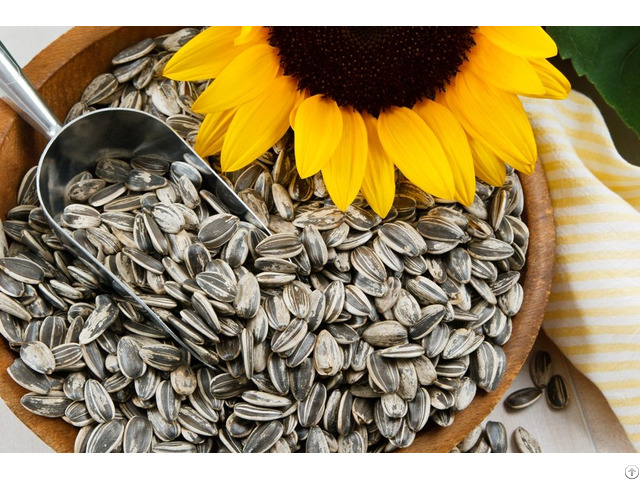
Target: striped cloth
x,y
593,314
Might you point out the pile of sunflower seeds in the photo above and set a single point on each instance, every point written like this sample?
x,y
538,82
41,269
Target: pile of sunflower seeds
x,y
343,331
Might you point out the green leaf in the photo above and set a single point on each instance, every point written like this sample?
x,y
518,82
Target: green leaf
x,y
610,58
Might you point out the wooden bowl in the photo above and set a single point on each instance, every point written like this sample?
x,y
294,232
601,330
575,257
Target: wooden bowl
x,y
62,71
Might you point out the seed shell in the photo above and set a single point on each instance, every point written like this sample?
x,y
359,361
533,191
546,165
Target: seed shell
x,y
557,393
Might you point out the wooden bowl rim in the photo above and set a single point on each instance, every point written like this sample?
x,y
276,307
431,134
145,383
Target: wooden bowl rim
x,y
537,280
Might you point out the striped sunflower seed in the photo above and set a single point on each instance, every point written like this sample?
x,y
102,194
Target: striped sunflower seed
x,y
523,398
497,437
38,356
99,403
526,442
52,405
540,369
25,377
137,435
557,393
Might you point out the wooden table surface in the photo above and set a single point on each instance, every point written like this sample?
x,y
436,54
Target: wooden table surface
x,y
586,425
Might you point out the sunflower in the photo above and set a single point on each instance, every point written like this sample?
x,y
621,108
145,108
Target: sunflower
x,y
439,103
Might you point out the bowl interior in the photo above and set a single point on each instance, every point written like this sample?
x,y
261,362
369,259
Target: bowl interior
x,y
61,73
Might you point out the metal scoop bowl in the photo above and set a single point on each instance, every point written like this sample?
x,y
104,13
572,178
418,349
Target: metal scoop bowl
x,y
82,143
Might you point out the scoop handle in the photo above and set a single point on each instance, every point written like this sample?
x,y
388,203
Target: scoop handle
x,y
16,90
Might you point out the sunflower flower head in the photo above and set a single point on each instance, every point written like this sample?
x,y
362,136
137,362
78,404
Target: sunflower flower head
x,y
440,104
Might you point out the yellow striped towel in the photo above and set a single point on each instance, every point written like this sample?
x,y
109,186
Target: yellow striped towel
x,y
593,314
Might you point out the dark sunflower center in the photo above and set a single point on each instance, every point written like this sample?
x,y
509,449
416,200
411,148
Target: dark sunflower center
x,y
372,68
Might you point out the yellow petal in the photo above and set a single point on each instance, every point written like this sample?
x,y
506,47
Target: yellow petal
x,y
456,147
259,124
416,151
493,117
205,55
243,79
556,85
488,167
531,42
379,182
502,69
249,34
318,128
301,98
344,171
211,134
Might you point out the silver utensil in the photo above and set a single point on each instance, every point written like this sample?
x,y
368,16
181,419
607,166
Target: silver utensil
x,y
82,143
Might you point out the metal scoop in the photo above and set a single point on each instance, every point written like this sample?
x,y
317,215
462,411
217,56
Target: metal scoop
x,y
79,145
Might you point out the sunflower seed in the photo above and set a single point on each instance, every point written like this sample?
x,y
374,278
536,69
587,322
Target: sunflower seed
x,y
99,403
540,369
264,437
490,249
334,296
101,318
311,408
281,245
106,437
557,394
328,357
67,356
387,426
165,358
326,218
37,356
137,435
256,414
353,442
130,70
426,291
25,377
439,228
11,330
301,379
316,441
191,420
399,239
129,360
511,301
430,318
465,393
302,351
140,49
344,334
418,410
100,89
73,386
52,405
487,366
385,334
78,415
497,437
383,372
291,337
523,398
167,402
461,342
526,442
